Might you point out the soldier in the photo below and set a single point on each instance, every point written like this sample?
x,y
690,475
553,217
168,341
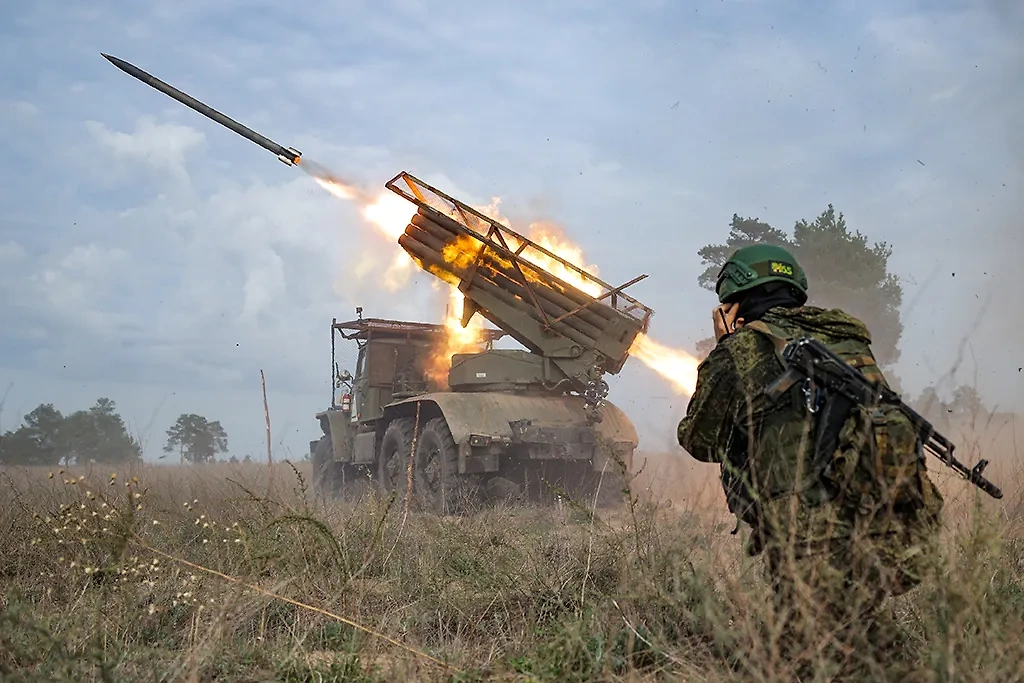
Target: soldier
x,y
838,541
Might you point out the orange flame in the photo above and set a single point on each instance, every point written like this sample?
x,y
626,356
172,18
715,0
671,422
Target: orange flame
x,y
458,339
550,237
390,213
678,367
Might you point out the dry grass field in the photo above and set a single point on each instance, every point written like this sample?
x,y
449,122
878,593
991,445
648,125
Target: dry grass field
x,y
237,572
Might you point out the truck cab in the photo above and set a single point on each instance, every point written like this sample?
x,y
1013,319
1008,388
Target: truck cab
x,y
395,360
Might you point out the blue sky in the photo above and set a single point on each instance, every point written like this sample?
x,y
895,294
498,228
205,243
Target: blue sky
x,y
148,255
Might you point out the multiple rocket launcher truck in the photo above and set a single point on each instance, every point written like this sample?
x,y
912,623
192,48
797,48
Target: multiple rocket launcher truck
x,y
510,423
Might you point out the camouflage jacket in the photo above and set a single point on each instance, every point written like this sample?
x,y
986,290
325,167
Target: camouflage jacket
x,y
762,447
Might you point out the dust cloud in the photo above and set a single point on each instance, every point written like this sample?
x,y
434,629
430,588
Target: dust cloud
x,y
677,480
998,343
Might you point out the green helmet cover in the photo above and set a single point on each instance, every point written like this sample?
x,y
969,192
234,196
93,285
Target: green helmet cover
x,y
755,265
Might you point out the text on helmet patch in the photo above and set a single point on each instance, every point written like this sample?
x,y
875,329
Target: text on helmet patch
x,y
781,268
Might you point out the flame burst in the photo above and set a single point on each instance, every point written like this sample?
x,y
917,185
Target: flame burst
x,y
550,237
390,213
678,367
458,339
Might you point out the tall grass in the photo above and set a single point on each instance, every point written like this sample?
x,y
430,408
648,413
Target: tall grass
x,y
226,572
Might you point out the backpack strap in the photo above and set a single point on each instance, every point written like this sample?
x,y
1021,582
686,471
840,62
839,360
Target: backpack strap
x,y
867,365
776,336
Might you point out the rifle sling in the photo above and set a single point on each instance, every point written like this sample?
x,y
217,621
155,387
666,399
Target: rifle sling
x,y
827,427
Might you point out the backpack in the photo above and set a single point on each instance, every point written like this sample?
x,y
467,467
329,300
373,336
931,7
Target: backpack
x,y
878,464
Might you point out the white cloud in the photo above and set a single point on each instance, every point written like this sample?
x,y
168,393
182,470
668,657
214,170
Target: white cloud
x,y
948,93
11,252
92,260
264,283
19,112
74,288
164,146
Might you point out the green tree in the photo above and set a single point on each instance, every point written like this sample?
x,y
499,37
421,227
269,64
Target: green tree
x,y
47,437
843,269
196,439
98,435
36,441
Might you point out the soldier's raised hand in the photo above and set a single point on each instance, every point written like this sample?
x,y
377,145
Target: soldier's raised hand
x,y
725,320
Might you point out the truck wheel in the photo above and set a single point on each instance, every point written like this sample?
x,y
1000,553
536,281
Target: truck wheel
x,y
393,460
437,469
326,472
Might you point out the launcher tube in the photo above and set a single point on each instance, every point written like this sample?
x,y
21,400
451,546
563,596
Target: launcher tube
x,y
431,258
547,279
501,279
589,316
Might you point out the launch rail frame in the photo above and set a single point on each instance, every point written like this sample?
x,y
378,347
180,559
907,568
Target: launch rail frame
x,y
493,234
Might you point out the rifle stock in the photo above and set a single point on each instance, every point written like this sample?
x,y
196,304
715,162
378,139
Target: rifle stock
x,y
809,359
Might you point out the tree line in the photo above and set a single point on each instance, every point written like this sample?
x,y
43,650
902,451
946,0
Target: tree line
x,y
99,435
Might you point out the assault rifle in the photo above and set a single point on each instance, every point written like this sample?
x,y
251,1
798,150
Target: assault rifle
x,y
810,361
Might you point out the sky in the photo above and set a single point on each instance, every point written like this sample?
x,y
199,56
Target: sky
x,y
150,256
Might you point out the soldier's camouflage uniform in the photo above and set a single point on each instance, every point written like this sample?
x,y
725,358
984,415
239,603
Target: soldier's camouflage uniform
x,y
835,546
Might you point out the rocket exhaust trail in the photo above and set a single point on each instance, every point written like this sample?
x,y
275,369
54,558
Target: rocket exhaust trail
x,y
328,180
286,155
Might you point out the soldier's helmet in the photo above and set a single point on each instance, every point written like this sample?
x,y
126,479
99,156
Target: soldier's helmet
x,y
757,264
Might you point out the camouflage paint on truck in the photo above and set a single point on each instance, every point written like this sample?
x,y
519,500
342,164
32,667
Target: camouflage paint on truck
x,y
485,425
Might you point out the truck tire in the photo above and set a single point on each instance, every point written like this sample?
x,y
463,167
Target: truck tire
x,y
332,479
326,472
438,483
393,459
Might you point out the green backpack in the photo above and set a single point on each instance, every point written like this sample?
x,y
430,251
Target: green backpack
x,y
878,465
